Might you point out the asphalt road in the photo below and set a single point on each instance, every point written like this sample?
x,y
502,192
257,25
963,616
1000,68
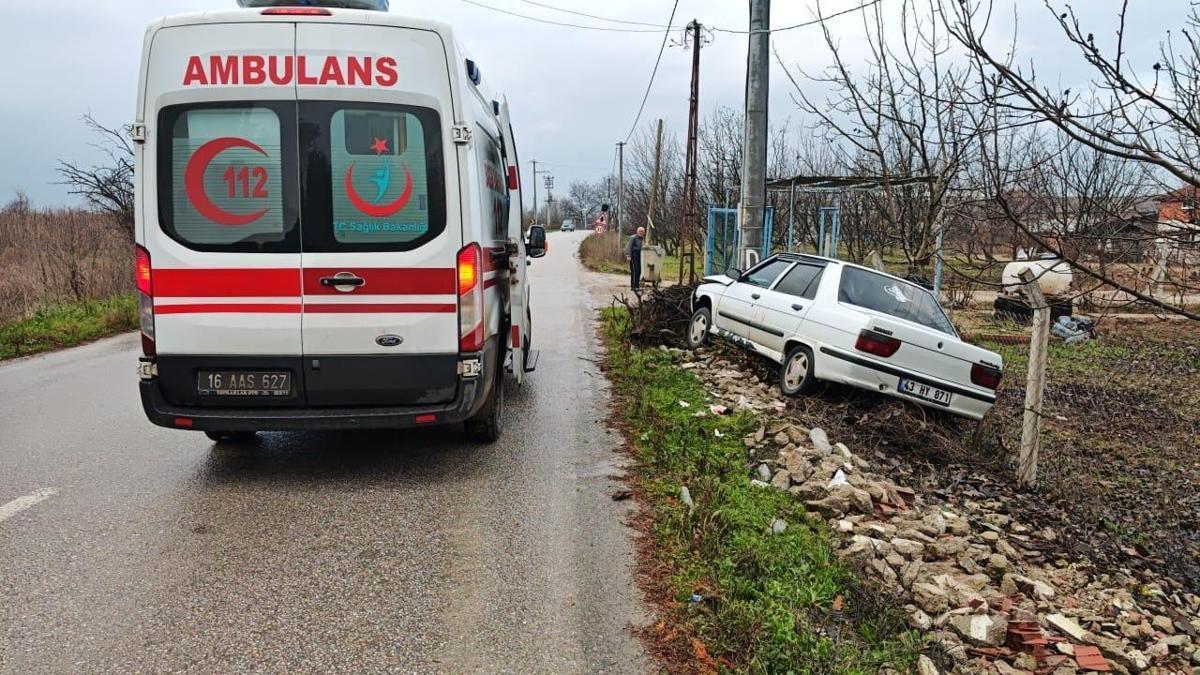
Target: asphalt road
x,y
126,547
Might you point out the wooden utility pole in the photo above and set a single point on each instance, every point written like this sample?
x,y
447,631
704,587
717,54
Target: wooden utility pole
x,y
1031,424
695,29
654,186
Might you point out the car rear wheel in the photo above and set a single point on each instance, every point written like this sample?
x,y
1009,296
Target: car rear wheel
x,y
697,332
229,436
487,424
796,375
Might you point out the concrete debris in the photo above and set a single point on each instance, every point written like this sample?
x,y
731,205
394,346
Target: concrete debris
x,y
993,593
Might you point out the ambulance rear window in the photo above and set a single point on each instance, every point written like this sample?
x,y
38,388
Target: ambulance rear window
x,y
372,175
222,178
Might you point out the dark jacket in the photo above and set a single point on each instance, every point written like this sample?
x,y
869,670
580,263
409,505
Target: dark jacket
x,y
634,247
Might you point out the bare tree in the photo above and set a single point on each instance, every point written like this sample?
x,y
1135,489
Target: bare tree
x,y
904,116
1150,122
108,186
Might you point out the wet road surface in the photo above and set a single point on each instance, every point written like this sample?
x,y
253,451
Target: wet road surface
x,y
126,547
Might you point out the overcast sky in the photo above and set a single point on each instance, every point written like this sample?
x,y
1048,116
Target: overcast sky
x,y
574,92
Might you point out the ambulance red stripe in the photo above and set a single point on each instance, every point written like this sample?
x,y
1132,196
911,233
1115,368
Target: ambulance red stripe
x,y
386,280
270,282
310,308
361,308
228,308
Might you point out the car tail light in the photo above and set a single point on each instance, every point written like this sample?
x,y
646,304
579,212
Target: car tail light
x,y
145,287
985,376
877,344
470,298
297,11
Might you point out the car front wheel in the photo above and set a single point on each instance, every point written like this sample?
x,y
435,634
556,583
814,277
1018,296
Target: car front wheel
x,y
697,332
796,375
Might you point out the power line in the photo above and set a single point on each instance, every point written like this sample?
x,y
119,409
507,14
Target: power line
x,y
653,73
560,23
591,16
578,167
805,24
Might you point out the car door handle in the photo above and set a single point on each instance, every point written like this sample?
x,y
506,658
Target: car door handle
x,y
798,307
342,279
755,296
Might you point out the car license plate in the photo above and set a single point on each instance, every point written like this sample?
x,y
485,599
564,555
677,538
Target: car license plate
x,y
921,390
235,383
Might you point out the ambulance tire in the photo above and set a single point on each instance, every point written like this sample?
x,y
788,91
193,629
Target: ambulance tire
x,y
487,424
230,436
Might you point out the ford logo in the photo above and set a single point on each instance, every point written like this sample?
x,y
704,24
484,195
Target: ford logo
x,y
389,340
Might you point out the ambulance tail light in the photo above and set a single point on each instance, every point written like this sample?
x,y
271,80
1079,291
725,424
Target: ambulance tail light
x,y
470,298
145,287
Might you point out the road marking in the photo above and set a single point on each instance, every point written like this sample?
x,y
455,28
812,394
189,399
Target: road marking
x,y
21,503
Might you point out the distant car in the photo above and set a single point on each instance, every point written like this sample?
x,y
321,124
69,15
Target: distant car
x,y
568,226
824,319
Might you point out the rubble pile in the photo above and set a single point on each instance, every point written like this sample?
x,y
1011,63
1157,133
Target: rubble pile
x,y
994,593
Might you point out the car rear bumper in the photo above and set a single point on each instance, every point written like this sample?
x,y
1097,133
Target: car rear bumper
x,y
862,372
470,397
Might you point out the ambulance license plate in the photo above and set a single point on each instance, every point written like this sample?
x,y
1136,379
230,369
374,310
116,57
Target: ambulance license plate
x,y
235,383
938,396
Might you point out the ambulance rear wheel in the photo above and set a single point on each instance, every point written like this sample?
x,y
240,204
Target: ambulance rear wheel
x,y
487,424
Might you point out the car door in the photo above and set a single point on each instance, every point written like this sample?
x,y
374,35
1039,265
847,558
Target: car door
x,y
382,224
738,311
785,304
221,218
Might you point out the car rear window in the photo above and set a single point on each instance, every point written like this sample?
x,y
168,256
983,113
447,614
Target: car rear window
x,y
373,176
900,299
224,182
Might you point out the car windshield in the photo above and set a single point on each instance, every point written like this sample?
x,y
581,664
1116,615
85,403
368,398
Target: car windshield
x,y
894,297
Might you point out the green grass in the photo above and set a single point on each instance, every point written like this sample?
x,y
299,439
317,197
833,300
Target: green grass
x,y
68,324
767,597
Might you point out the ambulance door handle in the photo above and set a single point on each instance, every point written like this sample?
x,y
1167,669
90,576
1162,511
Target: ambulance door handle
x,y
342,279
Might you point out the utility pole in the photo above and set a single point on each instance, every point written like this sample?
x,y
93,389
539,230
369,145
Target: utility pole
x,y
619,219
535,199
695,29
754,162
650,226
549,198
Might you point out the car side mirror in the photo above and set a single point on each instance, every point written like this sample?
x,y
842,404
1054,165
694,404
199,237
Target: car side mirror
x,y
734,273
535,245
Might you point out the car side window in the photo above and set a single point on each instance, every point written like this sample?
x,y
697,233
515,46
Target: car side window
x,y
802,281
766,274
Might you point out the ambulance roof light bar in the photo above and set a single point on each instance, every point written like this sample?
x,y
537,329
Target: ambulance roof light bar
x,y
305,6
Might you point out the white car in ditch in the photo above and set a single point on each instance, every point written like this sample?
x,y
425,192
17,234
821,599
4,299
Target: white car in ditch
x,y
824,319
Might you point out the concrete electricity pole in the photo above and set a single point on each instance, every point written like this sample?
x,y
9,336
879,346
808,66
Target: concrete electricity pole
x,y
535,201
650,225
620,215
754,161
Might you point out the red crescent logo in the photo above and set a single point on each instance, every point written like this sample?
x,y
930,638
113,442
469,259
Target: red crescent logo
x,y
378,210
193,180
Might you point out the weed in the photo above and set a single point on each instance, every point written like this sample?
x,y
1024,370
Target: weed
x,y
67,324
766,602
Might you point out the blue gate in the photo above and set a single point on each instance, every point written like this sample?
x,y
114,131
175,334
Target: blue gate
x,y
720,253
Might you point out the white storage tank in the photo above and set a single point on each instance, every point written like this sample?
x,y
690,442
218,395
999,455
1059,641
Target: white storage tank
x,y
1054,276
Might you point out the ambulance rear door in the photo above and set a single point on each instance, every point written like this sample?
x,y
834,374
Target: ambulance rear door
x,y
382,223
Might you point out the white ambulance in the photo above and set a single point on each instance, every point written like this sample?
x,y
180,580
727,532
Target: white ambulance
x,y
328,225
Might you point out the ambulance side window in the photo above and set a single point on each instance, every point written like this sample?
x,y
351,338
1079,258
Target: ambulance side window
x,y
494,190
223,183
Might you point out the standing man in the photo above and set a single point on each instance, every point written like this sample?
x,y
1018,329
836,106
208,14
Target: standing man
x,y
633,253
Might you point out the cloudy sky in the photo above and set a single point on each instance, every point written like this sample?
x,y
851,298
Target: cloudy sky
x,y
574,92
